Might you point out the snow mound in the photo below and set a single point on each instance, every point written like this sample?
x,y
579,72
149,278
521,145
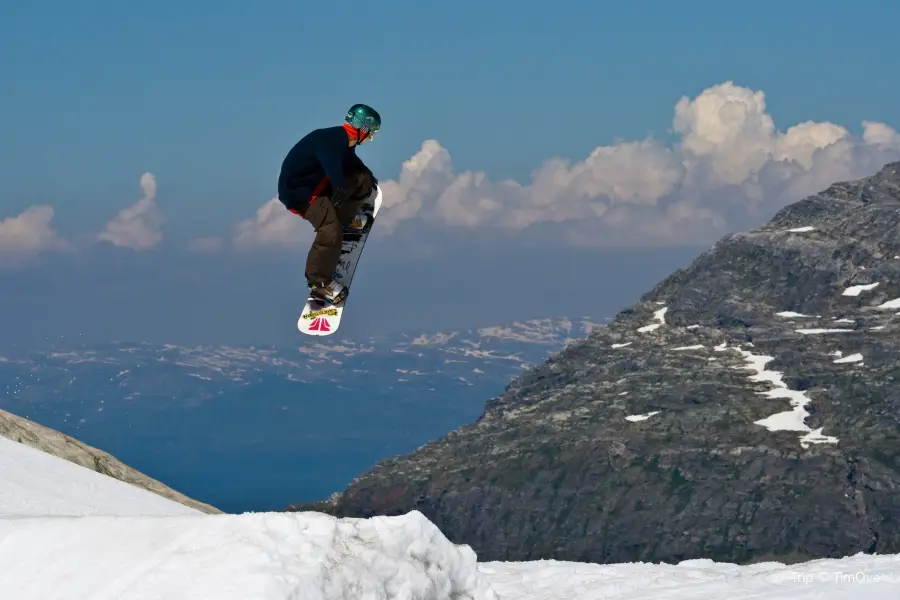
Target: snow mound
x,y
308,556
69,532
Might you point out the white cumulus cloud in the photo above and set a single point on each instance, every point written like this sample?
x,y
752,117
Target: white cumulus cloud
x,y
138,226
730,168
272,225
428,171
28,234
879,134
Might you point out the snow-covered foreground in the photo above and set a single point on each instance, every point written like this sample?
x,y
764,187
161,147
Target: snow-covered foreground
x,y
302,556
69,533
861,576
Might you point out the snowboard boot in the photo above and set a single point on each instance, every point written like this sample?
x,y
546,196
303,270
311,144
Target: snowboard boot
x,y
333,293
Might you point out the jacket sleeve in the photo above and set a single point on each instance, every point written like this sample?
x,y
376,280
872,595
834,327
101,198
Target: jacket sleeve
x,y
332,164
355,166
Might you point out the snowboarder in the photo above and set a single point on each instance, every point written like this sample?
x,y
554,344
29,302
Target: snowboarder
x,y
323,181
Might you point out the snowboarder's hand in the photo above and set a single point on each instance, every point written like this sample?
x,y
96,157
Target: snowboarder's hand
x,y
338,197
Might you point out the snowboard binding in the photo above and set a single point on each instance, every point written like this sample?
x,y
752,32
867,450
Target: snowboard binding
x,y
361,223
328,296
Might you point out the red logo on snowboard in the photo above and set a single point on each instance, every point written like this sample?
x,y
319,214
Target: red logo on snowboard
x,y
320,324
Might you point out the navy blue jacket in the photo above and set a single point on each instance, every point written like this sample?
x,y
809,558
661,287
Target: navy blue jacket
x,y
320,153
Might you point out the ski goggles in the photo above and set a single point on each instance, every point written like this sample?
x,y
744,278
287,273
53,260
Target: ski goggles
x,y
366,125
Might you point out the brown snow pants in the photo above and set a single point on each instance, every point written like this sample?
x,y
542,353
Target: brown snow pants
x,y
328,223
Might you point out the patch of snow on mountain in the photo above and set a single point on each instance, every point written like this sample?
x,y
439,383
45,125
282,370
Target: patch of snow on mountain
x,y
791,420
849,359
635,418
433,339
538,330
406,372
856,289
199,376
659,317
488,354
528,332
326,351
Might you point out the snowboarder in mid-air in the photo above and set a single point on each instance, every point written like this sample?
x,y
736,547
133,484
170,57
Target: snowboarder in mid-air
x,y
323,181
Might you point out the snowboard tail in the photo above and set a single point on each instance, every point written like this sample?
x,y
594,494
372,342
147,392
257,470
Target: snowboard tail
x,y
319,318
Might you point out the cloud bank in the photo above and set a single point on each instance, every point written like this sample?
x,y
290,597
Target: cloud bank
x,y
729,168
25,236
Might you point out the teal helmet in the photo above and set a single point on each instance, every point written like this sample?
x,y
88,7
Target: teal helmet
x,y
364,118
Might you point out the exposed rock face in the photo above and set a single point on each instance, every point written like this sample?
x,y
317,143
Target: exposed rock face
x,y
747,408
60,445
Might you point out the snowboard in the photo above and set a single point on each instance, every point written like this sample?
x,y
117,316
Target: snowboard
x,y
320,318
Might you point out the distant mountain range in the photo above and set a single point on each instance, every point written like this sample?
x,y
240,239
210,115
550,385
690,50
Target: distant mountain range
x,y
254,428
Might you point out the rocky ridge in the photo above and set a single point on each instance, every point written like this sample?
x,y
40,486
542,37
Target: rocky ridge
x,y
746,408
57,444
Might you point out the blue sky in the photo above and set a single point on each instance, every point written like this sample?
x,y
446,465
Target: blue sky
x,y
209,96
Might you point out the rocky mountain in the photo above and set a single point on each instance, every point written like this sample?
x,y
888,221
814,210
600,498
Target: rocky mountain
x,y
53,442
746,408
254,428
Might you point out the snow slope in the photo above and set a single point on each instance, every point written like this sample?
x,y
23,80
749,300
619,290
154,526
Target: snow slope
x,y
35,483
67,532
